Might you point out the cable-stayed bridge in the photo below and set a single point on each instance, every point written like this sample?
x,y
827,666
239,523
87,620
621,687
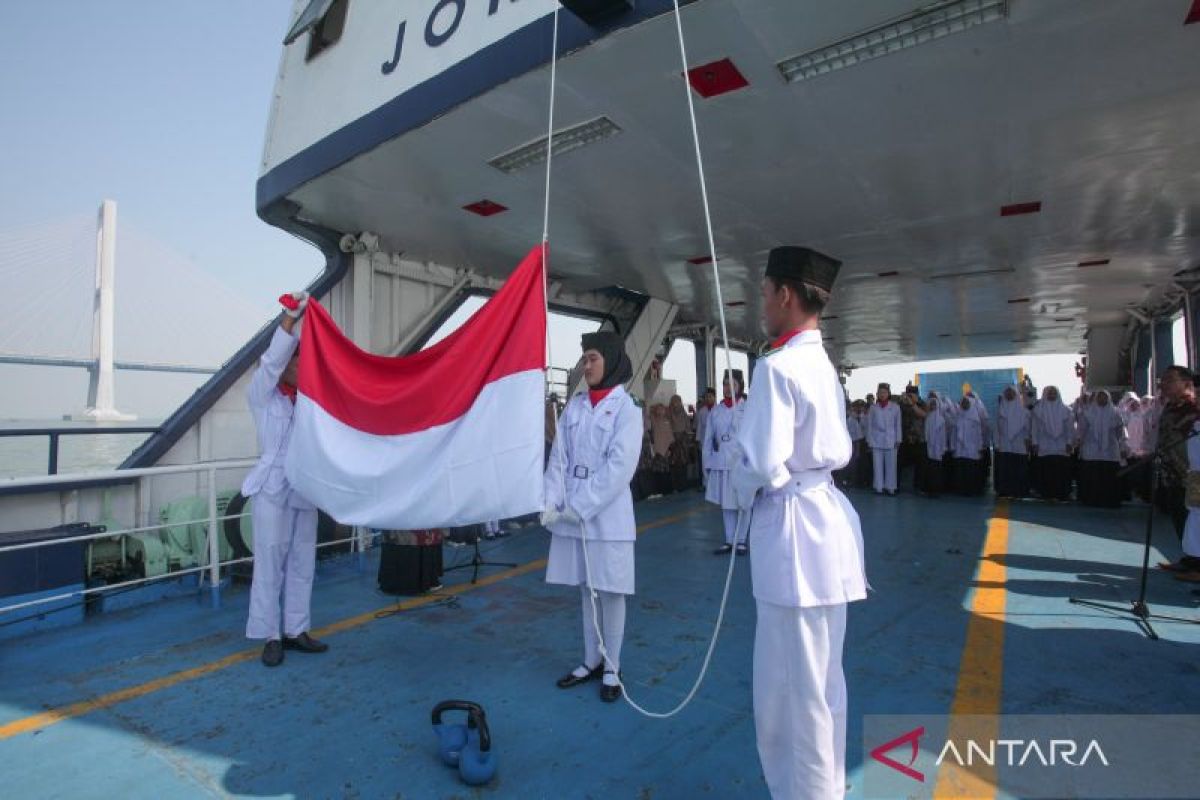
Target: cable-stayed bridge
x,y
72,298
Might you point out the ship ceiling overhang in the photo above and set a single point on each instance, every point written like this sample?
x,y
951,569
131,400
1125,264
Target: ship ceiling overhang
x,y
1002,189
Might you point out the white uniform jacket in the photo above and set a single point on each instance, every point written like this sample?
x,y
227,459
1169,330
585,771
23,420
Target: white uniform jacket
x,y
594,457
272,412
883,426
806,543
720,438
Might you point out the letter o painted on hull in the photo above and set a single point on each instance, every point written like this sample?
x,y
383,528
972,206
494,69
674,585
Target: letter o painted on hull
x,y
434,39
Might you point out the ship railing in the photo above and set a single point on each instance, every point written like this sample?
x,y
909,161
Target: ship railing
x,y
210,573
55,434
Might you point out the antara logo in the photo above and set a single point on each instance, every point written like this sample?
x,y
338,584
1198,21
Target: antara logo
x,y
1060,752
913,739
990,752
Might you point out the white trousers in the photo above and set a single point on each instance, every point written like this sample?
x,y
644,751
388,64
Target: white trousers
x,y
285,555
611,607
885,469
731,521
800,700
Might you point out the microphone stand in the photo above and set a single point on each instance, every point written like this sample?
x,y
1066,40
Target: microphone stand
x,y
1138,608
477,561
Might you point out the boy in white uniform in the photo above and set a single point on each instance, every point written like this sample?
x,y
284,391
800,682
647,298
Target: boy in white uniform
x,y
285,523
718,461
807,560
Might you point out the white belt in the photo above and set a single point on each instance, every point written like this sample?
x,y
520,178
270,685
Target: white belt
x,y
801,482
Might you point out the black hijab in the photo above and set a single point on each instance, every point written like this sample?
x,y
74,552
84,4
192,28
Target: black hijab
x,y
611,346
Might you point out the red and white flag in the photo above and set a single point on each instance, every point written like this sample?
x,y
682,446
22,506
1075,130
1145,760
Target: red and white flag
x,y
452,435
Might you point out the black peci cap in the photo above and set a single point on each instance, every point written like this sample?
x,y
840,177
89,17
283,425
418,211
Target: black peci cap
x,y
803,265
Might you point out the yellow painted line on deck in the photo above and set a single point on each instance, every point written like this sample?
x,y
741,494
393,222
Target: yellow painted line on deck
x,y
62,713
975,712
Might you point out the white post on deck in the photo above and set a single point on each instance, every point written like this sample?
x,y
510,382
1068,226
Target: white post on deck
x,y
101,400
214,543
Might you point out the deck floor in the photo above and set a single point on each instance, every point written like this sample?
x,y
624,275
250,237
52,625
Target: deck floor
x,y
170,701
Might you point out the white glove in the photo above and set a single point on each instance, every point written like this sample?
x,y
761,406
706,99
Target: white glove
x,y
553,515
294,303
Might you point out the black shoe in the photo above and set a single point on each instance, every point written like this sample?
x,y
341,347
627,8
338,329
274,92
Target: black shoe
x,y
570,679
610,694
742,549
305,644
272,654
723,550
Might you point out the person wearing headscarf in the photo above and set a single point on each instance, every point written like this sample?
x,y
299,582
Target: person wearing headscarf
x,y
592,462
681,423
702,411
1052,434
1101,439
1151,409
661,436
720,455
986,432
949,412
857,472
937,443
969,468
883,437
1012,446
807,563
1135,425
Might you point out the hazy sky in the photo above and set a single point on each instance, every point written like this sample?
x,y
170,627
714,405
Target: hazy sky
x,y
161,106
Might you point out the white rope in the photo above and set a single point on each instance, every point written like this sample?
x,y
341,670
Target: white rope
x,y
550,127
712,643
546,211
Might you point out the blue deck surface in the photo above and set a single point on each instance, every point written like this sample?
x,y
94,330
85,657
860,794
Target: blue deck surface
x,y
354,723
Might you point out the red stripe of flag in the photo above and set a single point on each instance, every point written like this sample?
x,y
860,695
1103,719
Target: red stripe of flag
x,y
394,395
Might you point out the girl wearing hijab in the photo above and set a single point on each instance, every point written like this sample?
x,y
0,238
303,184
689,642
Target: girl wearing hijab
x,y
969,467
720,456
661,436
883,437
1052,431
936,445
1102,438
850,475
1012,446
681,423
592,462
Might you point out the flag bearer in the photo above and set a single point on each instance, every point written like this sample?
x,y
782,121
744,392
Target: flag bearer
x,y
285,524
807,560
718,461
592,461
883,437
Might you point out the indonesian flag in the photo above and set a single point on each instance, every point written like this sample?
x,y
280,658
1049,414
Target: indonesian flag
x,y
452,435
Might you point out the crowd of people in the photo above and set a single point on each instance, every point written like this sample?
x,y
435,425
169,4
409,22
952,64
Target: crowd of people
x,y
1094,450
1035,447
